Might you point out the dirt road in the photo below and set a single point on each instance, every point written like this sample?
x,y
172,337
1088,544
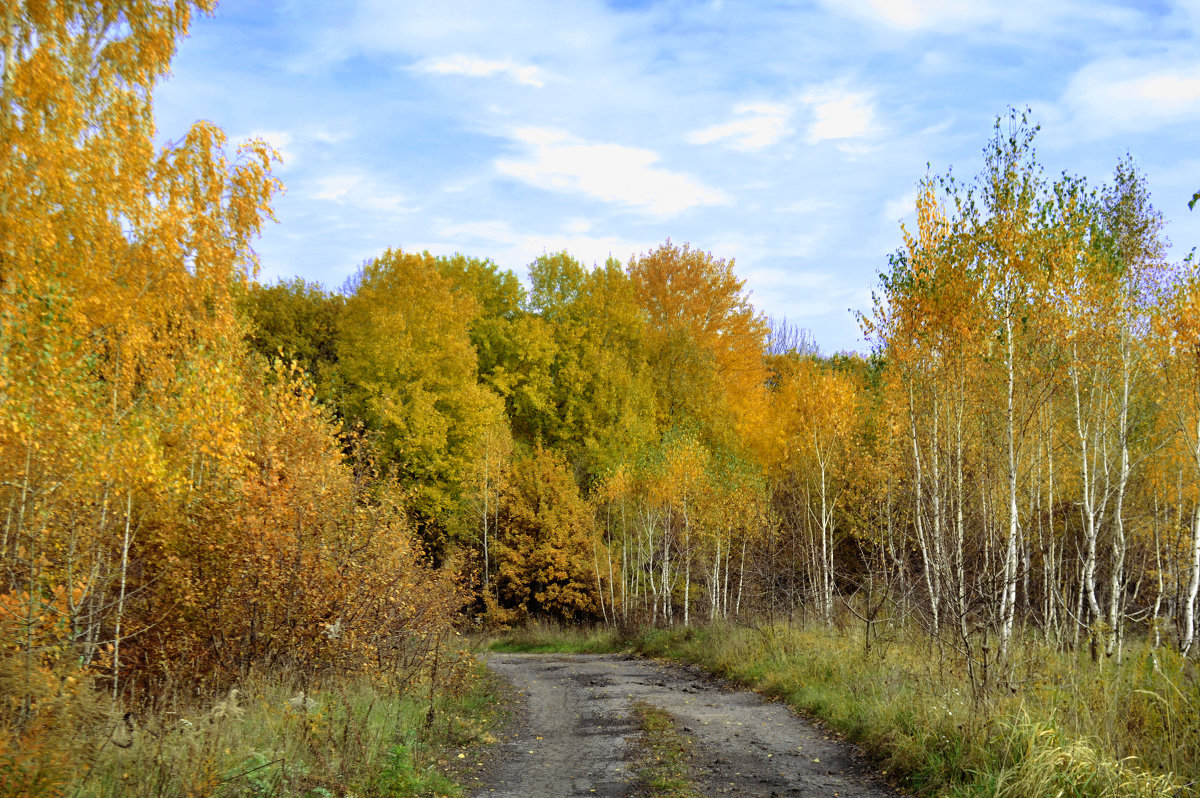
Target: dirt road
x,y
577,731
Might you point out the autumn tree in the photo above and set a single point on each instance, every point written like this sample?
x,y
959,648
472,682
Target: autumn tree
x,y
119,262
818,421
410,370
297,320
545,551
487,476
599,401
1027,347
931,315
704,340
494,329
1181,332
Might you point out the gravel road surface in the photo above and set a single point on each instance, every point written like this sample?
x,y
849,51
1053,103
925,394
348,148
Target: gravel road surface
x,y
576,733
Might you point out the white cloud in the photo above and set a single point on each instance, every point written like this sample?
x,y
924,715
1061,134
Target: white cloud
x,y
1127,95
799,294
911,15
519,248
292,145
900,208
333,188
557,161
475,67
578,226
839,114
775,277
483,27
358,191
759,125
956,16
805,206
326,136
280,140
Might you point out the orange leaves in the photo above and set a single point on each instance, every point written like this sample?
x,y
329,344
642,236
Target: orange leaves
x,y
705,339
816,408
290,558
933,227
545,540
36,618
172,513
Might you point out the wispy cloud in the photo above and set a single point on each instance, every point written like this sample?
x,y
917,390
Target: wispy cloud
x,y
757,126
279,140
557,161
396,120
520,247
358,191
955,16
912,15
798,293
1130,95
901,207
838,113
806,205
476,67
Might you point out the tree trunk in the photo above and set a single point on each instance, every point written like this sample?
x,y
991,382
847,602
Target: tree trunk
x,y
1009,600
1189,606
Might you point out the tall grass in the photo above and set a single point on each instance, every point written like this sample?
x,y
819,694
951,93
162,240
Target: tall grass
x,y
547,637
286,734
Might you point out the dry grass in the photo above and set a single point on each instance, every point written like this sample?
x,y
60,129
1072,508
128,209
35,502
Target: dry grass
x,y
1037,759
543,637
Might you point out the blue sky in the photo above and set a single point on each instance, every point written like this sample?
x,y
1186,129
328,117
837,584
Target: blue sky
x,y
786,136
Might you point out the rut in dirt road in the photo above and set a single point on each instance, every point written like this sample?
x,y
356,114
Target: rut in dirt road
x,y
578,733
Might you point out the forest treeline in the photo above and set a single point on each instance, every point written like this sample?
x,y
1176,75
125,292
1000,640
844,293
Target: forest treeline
x,y
201,474
635,440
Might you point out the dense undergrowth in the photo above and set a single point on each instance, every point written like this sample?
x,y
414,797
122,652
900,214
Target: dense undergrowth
x,y
281,734
1052,723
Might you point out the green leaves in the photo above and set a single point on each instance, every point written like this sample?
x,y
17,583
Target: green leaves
x,y
409,368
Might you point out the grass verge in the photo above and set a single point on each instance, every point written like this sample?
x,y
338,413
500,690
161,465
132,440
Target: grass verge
x,y
1057,726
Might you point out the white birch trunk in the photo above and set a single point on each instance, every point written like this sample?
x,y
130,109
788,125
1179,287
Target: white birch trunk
x,y
1009,601
1119,546
1189,605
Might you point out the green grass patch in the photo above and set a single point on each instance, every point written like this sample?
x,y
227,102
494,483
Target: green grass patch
x,y
663,754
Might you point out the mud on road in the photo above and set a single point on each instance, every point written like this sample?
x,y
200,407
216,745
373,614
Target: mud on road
x,y
577,732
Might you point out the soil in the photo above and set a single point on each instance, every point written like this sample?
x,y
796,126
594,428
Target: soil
x,y
575,733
